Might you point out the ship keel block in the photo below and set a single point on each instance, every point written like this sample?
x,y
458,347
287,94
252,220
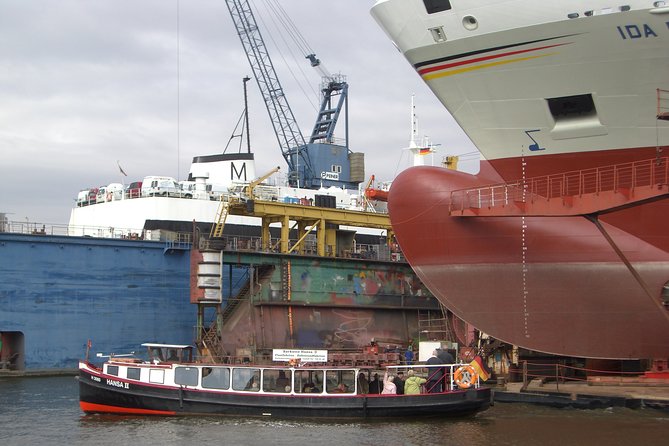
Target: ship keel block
x,y
560,285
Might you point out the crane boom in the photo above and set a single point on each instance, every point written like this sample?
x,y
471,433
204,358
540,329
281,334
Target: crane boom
x,y
289,136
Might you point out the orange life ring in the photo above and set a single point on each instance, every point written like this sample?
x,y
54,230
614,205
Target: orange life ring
x,y
465,376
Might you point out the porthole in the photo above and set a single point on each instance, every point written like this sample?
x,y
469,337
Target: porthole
x,y
470,22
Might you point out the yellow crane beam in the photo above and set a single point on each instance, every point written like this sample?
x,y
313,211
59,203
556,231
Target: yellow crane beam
x,y
309,216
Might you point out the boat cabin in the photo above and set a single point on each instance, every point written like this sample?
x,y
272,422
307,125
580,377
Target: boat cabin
x,y
169,352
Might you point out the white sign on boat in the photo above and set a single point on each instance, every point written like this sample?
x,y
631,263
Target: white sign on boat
x,y
285,355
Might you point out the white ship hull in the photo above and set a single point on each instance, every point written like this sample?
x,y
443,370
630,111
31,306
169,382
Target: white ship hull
x,y
502,62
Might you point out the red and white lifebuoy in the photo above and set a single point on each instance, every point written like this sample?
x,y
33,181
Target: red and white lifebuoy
x,y
465,376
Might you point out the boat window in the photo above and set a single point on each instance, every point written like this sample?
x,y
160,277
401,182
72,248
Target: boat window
x,y
156,354
112,370
340,381
665,295
186,376
216,378
173,355
309,381
275,380
246,379
156,376
433,6
133,373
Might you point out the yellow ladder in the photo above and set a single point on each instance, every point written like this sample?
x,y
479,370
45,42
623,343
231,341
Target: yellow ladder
x,y
219,221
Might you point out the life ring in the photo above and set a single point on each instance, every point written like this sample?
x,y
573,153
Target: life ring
x,y
465,376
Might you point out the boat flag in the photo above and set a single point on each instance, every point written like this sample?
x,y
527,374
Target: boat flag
x,y
424,151
481,368
120,168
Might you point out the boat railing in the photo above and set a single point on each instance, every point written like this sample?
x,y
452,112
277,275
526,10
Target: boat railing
x,y
442,377
621,178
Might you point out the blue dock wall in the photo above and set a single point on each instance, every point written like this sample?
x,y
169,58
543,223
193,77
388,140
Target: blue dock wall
x,y
60,291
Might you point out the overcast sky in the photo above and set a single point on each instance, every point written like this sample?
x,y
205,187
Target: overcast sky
x,y
87,83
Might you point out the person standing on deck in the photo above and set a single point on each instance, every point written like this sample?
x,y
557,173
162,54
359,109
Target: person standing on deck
x,y
435,374
413,383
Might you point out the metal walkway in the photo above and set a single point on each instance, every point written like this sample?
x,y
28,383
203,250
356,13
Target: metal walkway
x,y
581,192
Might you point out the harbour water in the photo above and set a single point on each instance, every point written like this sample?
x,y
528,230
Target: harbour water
x,y
37,411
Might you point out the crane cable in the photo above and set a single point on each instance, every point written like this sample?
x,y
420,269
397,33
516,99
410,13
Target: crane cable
x,y
284,23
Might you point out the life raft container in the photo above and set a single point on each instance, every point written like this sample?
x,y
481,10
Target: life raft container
x,y
465,376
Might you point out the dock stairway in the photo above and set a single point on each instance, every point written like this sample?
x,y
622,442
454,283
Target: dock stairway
x,y
263,272
582,192
210,345
211,337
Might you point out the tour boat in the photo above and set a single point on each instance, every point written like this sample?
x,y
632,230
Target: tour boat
x,y
170,383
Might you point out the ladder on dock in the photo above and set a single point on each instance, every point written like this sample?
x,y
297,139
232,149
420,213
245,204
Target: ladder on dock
x,y
582,192
221,215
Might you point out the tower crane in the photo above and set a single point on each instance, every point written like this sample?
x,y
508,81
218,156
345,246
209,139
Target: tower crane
x,y
320,162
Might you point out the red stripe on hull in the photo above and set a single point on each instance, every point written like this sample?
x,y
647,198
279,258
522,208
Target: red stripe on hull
x,y
485,58
550,284
103,408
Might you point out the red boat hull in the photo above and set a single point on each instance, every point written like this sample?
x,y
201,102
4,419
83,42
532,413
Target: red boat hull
x,y
561,285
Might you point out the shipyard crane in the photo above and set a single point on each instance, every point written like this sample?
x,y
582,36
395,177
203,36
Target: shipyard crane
x,y
320,162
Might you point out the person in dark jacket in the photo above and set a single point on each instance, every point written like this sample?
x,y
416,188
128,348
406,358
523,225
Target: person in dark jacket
x,y
399,383
375,386
435,374
445,356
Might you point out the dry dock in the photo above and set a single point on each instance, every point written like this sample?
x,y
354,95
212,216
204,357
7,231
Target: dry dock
x,y
583,395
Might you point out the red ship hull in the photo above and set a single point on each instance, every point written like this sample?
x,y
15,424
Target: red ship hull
x,y
568,285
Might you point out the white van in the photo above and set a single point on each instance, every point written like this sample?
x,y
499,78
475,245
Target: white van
x,y
82,198
108,193
101,195
187,189
115,191
162,186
